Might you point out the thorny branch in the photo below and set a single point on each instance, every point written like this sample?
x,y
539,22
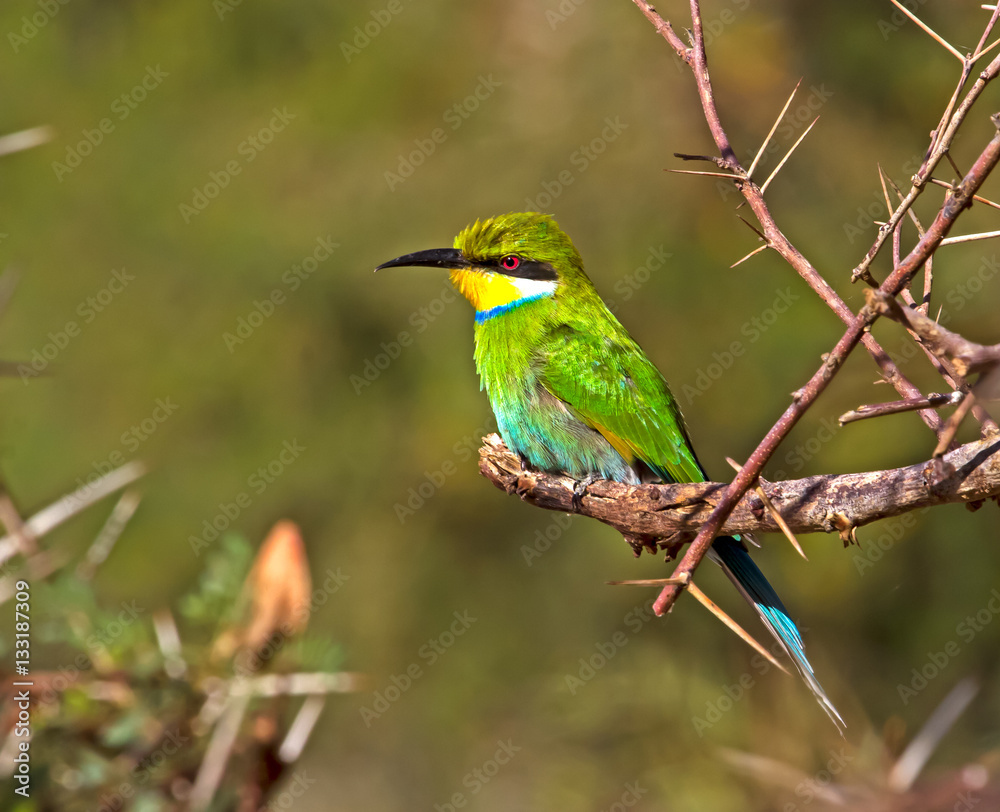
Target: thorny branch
x,y
957,353
830,503
773,236
954,204
957,198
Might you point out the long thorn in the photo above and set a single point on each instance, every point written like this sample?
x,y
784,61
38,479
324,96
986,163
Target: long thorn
x,y
978,53
755,251
778,520
774,127
788,155
709,604
885,192
988,48
954,166
651,582
983,235
977,198
941,40
951,427
753,228
709,174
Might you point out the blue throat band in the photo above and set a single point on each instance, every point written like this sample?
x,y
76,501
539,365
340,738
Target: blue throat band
x,y
485,315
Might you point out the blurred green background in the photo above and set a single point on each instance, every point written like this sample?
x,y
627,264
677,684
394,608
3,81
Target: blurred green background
x,y
265,129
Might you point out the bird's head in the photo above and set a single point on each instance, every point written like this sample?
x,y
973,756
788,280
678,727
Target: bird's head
x,y
501,261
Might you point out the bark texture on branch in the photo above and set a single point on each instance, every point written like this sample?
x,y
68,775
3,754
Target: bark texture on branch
x,y
829,503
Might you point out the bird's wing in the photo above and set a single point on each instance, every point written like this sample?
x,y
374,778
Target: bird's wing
x,y
610,384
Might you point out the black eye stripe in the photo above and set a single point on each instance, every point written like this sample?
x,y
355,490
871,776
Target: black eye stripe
x,y
527,269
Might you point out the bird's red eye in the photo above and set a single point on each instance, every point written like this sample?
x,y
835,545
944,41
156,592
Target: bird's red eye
x,y
510,262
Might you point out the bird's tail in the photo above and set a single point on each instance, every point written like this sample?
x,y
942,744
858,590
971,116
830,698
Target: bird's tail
x,y
730,554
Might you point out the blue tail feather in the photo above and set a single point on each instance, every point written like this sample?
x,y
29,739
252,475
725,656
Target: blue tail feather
x,y
730,554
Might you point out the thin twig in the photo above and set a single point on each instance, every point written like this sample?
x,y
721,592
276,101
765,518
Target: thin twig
x,y
968,356
924,304
954,356
933,401
990,47
665,30
940,363
944,134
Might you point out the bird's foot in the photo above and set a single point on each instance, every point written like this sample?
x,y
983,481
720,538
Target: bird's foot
x,y
674,543
638,543
580,490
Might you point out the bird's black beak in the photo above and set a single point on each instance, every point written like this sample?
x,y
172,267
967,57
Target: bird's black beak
x,y
435,258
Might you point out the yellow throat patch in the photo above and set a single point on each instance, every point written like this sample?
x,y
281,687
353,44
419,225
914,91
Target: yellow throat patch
x,y
487,290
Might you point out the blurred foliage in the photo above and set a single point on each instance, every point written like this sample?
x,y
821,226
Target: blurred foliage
x,y
124,723
221,77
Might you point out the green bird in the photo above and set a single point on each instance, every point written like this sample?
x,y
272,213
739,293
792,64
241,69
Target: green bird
x,y
572,391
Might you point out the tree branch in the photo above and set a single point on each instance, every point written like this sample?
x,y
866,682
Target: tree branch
x,y
774,238
954,204
829,503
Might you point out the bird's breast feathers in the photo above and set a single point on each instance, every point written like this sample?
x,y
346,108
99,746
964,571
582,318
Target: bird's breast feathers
x,y
493,293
